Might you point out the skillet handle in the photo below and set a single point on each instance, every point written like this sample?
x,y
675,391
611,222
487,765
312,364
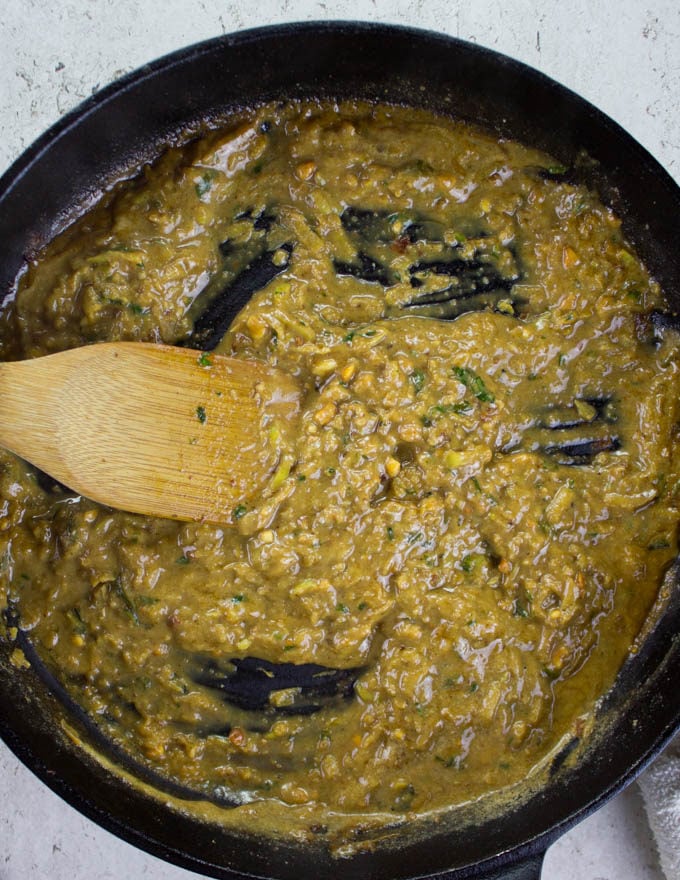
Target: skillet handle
x,y
528,869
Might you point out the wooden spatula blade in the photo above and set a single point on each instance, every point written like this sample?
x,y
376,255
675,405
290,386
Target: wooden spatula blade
x,y
150,429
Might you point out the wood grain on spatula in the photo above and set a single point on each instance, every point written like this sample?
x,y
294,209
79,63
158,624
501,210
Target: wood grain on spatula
x,y
151,429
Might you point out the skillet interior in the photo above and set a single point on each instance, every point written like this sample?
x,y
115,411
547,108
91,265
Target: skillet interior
x,y
134,119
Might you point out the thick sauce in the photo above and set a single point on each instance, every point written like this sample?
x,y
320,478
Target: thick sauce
x,y
475,515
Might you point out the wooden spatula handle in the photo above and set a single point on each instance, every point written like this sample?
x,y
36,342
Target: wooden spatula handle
x,y
148,428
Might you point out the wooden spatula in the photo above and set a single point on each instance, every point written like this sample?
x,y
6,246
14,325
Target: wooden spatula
x,y
151,429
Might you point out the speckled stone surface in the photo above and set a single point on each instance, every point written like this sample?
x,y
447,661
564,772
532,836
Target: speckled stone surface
x,y
624,57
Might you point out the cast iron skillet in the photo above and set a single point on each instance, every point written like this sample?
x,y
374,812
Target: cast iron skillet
x,y
135,118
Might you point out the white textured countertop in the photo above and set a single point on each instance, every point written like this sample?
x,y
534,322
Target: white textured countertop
x,y
624,57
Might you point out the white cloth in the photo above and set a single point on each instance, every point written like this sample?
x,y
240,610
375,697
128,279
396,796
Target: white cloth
x,y
660,786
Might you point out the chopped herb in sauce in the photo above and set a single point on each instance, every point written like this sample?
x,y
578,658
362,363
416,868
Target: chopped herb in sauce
x,y
418,380
204,183
475,383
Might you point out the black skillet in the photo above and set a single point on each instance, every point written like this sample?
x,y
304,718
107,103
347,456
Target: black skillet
x,y
133,120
